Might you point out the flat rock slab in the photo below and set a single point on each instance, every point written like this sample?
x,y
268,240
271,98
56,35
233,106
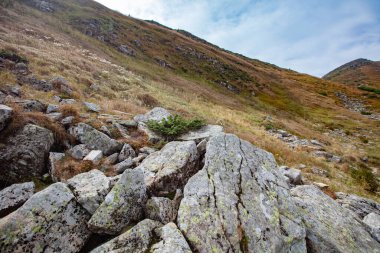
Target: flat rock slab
x,y
239,202
50,221
14,196
95,139
171,167
204,132
25,154
172,240
94,156
136,240
329,226
90,189
123,205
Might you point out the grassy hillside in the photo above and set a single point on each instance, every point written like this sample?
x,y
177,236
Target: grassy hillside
x,y
139,64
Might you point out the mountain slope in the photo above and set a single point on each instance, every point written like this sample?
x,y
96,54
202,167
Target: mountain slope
x,y
137,64
356,73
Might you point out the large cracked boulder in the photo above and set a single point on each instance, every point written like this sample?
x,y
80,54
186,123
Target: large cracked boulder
x,y
156,114
123,205
14,196
25,154
94,139
171,167
172,240
50,221
90,189
360,206
239,202
330,227
136,240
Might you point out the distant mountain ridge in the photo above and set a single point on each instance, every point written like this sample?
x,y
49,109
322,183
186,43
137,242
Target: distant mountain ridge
x,y
356,73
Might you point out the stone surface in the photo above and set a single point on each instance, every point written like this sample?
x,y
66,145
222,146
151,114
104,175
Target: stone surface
x,y
14,196
203,133
126,152
94,139
94,156
25,154
92,107
5,116
53,159
50,221
373,222
147,150
79,151
294,175
136,240
67,121
361,206
239,202
90,189
33,106
171,167
55,116
52,108
122,205
160,209
112,159
122,166
330,227
172,240
157,114
68,101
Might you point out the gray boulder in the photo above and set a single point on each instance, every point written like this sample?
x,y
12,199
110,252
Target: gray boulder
x,y
94,139
94,156
172,240
126,152
25,154
239,202
79,151
360,206
33,106
14,196
157,114
92,107
50,221
373,222
160,209
122,166
330,227
90,189
294,175
204,132
5,116
136,240
112,159
123,204
54,158
52,108
68,101
171,167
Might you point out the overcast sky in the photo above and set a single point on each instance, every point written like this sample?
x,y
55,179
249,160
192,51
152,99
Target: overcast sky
x,y
309,36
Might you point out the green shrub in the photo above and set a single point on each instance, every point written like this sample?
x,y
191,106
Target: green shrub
x,y
174,126
323,93
365,113
370,89
12,56
365,177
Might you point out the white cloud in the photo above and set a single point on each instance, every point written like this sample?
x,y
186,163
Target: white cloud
x,y
308,36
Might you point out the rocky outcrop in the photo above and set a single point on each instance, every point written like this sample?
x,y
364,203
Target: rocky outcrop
x,y
123,204
136,240
360,206
373,222
323,218
24,155
95,139
14,196
5,116
172,240
90,189
50,221
171,167
239,202
204,132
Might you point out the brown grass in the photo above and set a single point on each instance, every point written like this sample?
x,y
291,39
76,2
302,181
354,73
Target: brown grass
x,y
148,100
138,139
69,110
69,167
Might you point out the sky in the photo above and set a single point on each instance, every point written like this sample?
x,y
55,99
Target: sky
x,y
309,36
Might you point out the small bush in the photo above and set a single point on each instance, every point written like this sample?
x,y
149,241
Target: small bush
x,y
323,93
174,126
12,56
370,89
366,178
365,113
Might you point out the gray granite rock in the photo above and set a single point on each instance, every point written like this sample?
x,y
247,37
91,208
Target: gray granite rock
x,y
360,206
5,116
204,132
124,165
373,222
92,107
79,151
160,209
172,240
54,158
50,221
126,152
14,196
